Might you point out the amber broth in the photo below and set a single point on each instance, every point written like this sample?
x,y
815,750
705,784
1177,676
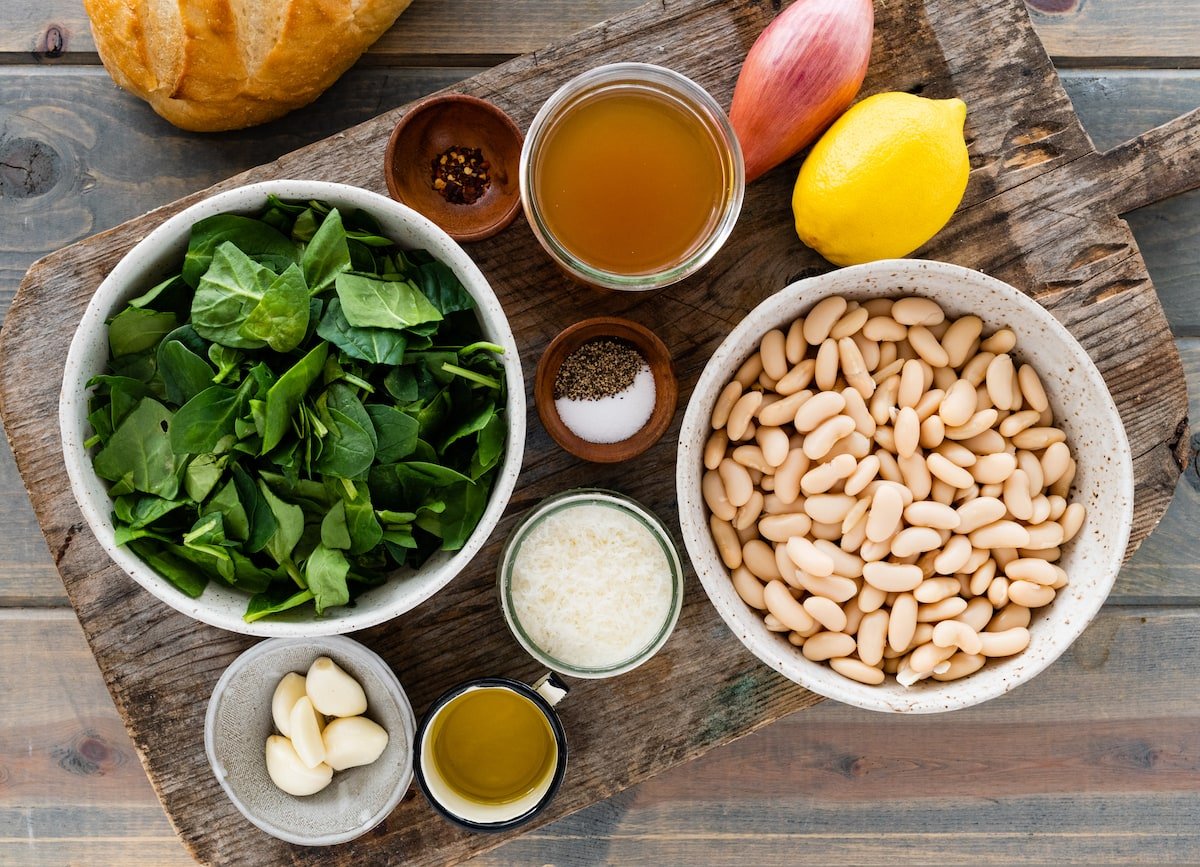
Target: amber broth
x,y
630,181
493,745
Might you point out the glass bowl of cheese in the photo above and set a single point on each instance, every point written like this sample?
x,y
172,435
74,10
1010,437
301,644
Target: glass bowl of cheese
x,y
590,583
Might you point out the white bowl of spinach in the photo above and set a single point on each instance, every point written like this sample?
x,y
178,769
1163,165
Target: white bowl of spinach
x,y
295,408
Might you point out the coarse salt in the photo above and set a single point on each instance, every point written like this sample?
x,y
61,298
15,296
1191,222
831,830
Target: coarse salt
x,y
614,418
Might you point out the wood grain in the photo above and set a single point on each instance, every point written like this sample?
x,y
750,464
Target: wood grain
x,y
738,701
448,32
992,784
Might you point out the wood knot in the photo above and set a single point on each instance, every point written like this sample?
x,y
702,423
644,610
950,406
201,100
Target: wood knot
x,y
88,754
53,43
1056,7
28,168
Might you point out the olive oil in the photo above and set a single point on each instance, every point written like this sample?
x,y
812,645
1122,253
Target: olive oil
x,y
493,745
630,181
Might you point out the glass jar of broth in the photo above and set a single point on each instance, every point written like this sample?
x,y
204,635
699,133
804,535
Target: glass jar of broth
x,y
631,177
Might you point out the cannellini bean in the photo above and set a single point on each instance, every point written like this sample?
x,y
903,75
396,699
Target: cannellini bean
x,y
958,404
1055,461
915,540
979,512
1004,643
713,490
893,577
1062,487
774,356
902,622
822,477
797,379
930,514
822,407
808,557
914,310
1000,534
977,613
954,556
725,401
948,472
884,328
960,665
794,344
773,442
1008,617
915,473
774,624
821,319
912,383
1031,388
926,657
826,645
975,370
749,588
887,507
975,425
782,527
783,411
759,558
850,323
1016,496
844,562
714,449
927,346
872,637
741,414
1018,421
997,591
737,483
959,338
855,669
784,607
829,508
726,538
749,372
955,633
1072,520
993,469
788,475
1048,534
998,379
1038,438
1030,569
752,458
826,612
946,609
818,443
1029,594
1002,341
833,587
935,590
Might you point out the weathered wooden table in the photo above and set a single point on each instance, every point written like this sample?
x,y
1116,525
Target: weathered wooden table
x,y
1095,760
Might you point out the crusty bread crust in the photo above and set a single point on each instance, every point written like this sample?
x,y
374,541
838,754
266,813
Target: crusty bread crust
x,y
187,59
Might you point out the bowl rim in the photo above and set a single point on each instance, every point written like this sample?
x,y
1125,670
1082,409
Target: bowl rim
x,y
947,696
123,282
337,645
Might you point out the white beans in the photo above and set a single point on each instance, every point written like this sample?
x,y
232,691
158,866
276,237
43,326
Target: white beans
x,y
889,489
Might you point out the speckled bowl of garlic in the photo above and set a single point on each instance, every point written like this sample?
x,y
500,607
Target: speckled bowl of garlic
x,y
909,506
311,739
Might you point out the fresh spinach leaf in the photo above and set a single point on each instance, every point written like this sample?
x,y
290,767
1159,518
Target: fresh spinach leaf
x,y
284,397
396,433
139,452
184,373
271,602
135,330
228,293
442,287
376,345
201,423
252,237
178,572
281,316
325,571
368,302
326,255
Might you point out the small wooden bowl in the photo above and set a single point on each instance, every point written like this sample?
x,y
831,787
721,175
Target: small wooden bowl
x,y
666,388
455,120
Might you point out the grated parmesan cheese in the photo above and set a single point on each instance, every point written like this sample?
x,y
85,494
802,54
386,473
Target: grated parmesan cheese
x,y
591,586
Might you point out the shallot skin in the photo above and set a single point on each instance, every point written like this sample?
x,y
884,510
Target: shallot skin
x,y
802,72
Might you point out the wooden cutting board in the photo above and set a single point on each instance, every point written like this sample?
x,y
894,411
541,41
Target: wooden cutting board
x,y
1041,212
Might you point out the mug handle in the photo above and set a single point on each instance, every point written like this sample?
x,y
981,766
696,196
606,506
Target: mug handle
x,y
551,688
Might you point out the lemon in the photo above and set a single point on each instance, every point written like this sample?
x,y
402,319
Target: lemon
x,y
884,179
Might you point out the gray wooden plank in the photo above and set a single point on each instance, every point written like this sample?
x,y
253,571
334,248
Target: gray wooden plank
x,y
78,155
1115,107
1097,759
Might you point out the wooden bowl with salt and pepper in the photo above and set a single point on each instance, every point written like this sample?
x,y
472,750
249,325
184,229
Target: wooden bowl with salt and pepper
x,y
604,361
454,158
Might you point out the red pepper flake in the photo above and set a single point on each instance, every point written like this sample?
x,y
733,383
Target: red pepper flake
x,y
461,175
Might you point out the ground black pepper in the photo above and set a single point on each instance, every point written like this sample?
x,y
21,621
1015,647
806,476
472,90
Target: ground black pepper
x,y
461,175
598,368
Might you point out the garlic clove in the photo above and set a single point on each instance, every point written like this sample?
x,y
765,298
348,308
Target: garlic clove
x,y
306,726
289,691
353,741
333,692
289,773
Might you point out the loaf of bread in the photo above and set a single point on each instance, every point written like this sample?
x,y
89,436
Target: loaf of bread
x,y
211,65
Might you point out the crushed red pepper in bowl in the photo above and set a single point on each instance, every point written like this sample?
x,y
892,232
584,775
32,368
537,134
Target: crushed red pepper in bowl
x,y
461,175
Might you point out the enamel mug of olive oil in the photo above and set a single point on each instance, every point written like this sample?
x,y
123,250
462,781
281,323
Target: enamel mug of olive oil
x,y
491,753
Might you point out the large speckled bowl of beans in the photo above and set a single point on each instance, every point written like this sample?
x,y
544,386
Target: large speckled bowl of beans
x,y
904,485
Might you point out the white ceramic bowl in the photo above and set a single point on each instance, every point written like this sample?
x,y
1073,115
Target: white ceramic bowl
x,y
1083,408
238,722
160,253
